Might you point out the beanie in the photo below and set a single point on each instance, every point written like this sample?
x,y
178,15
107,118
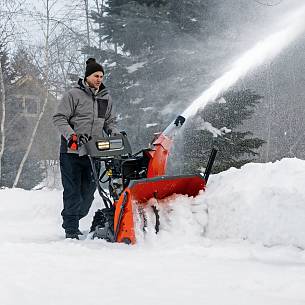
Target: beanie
x,y
92,66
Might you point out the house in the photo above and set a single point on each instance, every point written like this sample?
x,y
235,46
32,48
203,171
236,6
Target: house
x,y
25,99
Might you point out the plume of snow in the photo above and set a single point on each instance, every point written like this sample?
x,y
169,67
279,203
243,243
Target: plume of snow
x,y
266,49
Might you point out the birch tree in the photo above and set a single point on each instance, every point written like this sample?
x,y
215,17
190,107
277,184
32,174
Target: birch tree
x,y
2,89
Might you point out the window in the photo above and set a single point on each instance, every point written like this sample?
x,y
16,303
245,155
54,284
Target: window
x,y
27,105
31,105
18,103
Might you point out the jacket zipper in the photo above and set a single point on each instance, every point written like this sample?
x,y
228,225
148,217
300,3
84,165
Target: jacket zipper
x,y
94,100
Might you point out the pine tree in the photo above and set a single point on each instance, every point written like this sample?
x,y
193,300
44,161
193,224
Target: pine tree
x,y
235,147
146,67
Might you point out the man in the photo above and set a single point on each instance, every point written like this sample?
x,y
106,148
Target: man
x,y
84,111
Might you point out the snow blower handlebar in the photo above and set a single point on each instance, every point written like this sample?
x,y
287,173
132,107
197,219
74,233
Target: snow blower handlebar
x,y
102,149
105,148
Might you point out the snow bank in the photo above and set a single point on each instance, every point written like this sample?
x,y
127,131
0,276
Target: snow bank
x,y
259,202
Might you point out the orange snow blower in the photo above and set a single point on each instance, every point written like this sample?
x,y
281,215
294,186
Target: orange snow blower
x,y
133,179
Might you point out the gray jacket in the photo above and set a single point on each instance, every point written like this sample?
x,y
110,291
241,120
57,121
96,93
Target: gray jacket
x,y
82,111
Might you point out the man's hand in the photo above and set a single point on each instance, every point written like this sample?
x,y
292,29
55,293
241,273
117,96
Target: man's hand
x,y
83,139
72,142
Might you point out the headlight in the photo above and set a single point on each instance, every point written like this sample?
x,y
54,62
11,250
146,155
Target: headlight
x,y
116,143
103,145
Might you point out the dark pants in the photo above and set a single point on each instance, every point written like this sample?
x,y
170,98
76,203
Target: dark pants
x,y
79,188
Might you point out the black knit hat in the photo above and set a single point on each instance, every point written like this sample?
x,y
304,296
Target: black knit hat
x,y
92,66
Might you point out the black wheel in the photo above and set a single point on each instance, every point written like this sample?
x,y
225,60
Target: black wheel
x,y
126,241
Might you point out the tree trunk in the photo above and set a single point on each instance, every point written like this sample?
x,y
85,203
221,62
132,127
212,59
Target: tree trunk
x,y
2,89
87,22
270,113
99,8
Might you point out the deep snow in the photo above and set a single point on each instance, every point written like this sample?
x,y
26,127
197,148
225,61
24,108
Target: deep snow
x,y
240,242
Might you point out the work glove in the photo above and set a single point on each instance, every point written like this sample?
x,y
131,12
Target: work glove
x,y
83,139
72,142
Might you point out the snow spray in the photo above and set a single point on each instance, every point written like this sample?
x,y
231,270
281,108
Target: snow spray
x,y
265,49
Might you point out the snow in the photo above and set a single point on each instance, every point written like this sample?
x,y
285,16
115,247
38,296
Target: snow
x,y
151,125
221,100
136,84
136,66
147,108
270,208
136,101
114,64
240,242
225,130
203,125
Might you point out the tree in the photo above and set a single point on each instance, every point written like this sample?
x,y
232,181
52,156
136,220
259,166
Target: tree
x,y
3,97
147,63
48,5
7,27
58,61
221,127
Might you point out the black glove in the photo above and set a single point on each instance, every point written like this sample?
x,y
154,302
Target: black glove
x,y
83,139
72,142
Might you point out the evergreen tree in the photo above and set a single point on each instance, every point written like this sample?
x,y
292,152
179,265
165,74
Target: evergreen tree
x,y
5,64
22,64
146,66
235,147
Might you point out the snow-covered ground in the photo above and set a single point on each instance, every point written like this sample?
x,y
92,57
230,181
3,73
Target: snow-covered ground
x,y
240,242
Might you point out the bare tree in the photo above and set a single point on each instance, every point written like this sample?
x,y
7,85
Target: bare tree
x,y
99,6
7,11
86,2
48,6
83,10
62,54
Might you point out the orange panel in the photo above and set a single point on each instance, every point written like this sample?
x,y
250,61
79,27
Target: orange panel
x,y
141,191
158,156
126,231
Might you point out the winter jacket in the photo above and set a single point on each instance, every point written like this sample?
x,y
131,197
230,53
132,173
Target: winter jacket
x,y
83,111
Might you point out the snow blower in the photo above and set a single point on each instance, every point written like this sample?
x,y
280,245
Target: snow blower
x,y
133,179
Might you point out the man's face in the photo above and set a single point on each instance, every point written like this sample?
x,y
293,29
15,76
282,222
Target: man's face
x,y
95,79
